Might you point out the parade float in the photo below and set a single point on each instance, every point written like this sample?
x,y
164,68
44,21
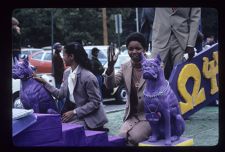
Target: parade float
x,y
194,83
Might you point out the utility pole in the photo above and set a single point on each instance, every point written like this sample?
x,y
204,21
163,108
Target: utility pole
x,y
137,20
105,30
118,25
52,33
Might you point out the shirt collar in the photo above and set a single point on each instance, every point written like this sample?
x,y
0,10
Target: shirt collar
x,y
75,70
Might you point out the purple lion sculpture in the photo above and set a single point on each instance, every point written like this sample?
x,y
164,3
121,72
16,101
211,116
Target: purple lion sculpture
x,y
33,95
161,105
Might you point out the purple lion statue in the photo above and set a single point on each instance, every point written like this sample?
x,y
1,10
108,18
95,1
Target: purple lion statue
x,y
33,95
161,105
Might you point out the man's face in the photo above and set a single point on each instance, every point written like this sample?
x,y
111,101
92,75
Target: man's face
x,y
134,50
59,48
95,54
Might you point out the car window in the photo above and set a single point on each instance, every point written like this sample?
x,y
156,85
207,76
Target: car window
x,y
101,55
103,61
25,52
88,51
48,57
35,50
38,56
121,59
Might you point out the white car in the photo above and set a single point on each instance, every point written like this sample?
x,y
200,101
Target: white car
x,y
49,48
29,51
16,93
102,55
119,93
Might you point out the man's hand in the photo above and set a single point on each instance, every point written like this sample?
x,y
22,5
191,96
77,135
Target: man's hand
x,y
190,51
67,116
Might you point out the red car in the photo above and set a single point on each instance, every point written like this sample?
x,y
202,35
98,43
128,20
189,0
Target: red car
x,y
42,60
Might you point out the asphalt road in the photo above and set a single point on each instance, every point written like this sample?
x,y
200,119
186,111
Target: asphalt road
x,y
113,106
202,126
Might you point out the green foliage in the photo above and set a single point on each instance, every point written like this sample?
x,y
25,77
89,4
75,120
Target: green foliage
x,y
69,24
86,23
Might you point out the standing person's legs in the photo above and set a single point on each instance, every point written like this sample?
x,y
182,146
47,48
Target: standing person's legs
x,y
165,57
177,53
168,67
171,55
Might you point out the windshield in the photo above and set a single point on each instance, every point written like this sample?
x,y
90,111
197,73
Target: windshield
x,y
101,56
121,59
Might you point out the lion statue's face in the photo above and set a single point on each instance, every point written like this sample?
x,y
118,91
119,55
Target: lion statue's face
x,y
151,68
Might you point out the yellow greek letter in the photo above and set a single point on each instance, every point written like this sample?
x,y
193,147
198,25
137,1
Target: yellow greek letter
x,y
198,95
210,70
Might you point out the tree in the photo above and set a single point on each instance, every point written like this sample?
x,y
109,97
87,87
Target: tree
x,y
71,24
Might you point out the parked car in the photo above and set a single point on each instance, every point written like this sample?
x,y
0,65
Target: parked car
x,y
119,93
125,52
102,55
29,51
47,48
42,60
16,93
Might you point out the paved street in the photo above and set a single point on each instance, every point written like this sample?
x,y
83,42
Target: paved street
x,y
111,106
202,126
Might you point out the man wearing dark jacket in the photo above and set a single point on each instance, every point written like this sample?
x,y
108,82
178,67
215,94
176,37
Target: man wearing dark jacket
x,y
97,67
58,69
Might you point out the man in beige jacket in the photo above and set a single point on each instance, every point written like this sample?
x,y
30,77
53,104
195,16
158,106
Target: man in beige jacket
x,y
174,33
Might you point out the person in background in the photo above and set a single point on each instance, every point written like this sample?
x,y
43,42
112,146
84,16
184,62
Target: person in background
x,y
199,41
80,88
135,127
200,38
210,40
97,67
147,18
16,39
174,33
58,69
